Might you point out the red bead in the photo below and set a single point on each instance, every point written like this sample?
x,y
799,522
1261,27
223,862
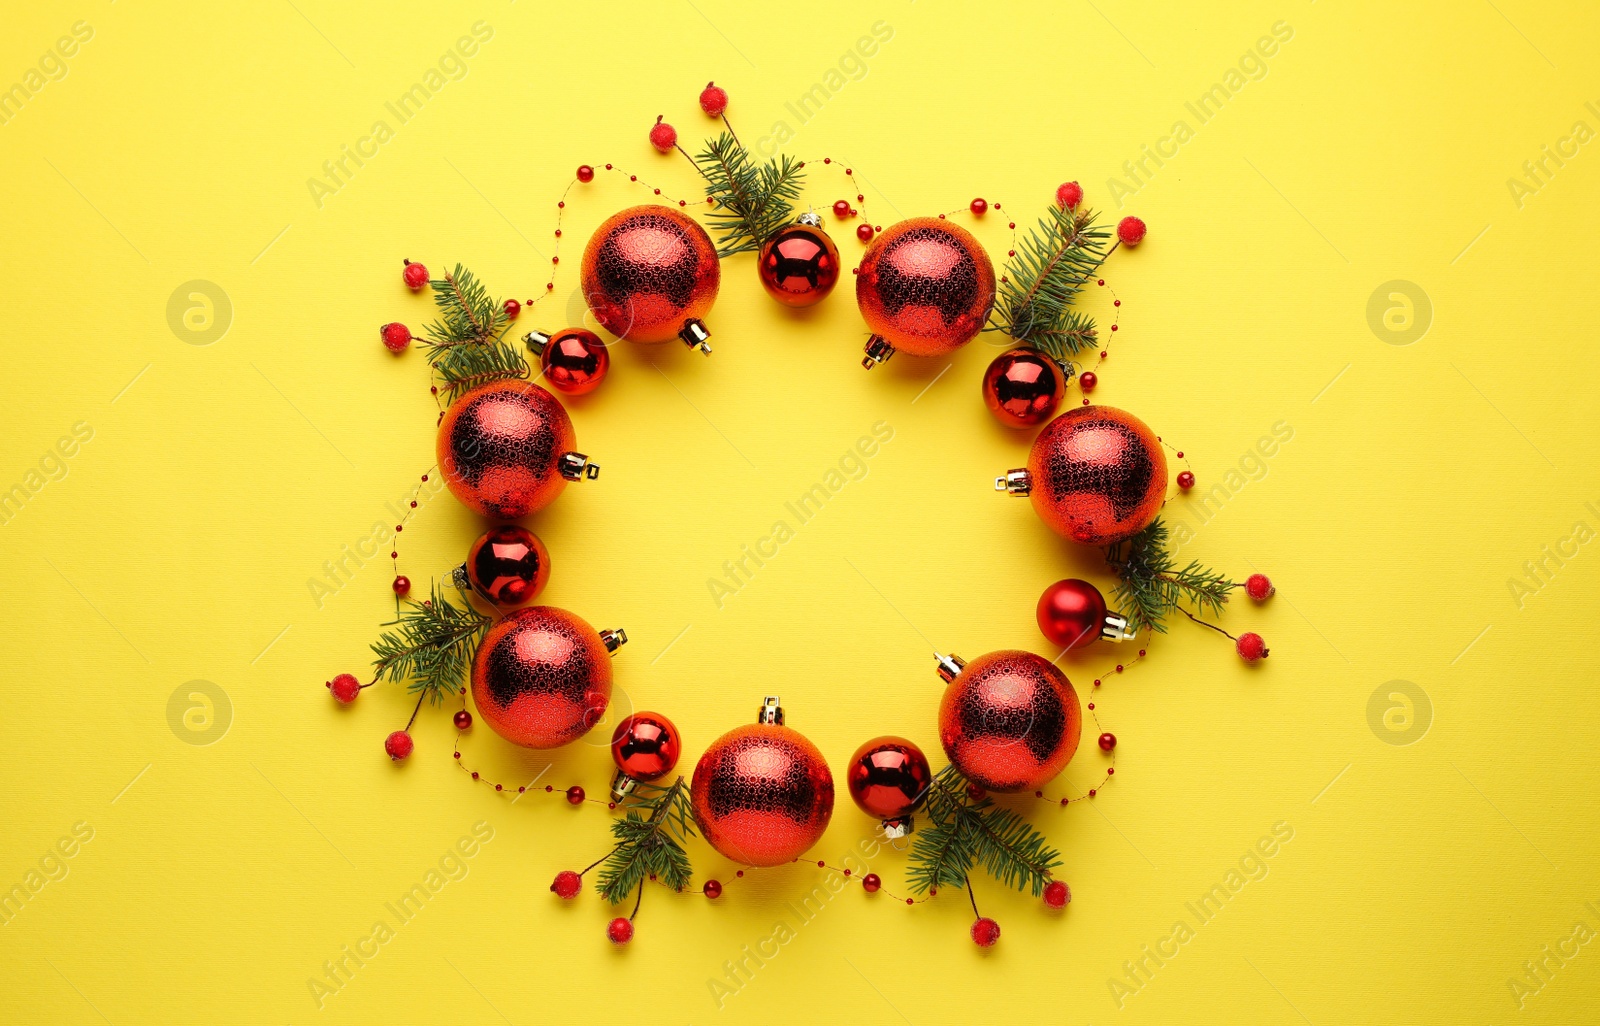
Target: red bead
x,y
979,207
985,932
474,774
1070,613
976,793
463,719
1069,195
1131,231
398,745
416,276
619,930
864,232
1111,771
574,795
1091,792
1087,380
567,884
1023,387
910,902
575,361
513,307
713,889
1251,647
713,99
586,173
827,160
1056,894
1091,705
871,882
402,584
548,788
663,137
345,688
1185,479
608,167
1108,741
396,336
1259,587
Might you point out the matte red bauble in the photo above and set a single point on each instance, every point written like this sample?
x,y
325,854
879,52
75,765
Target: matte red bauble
x,y
506,449
650,273
762,794
1096,475
1072,613
574,360
799,265
888,779
1009,721
1023,387
925,287
508,565
542,676
645,746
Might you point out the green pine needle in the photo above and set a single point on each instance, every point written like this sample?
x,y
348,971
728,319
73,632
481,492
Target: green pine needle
x,y
650,841
962,833
752,200
1150,585
465,346
432,645
1052,263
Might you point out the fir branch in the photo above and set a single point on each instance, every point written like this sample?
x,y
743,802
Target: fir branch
x,y
1052,263
461,368
752,200
649,846
962,833
432,645
466,346
1150,585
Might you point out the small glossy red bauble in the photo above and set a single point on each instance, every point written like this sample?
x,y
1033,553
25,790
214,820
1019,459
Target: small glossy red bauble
x,y
585,173
575,795
508,565
345,688
1097,475
619,930
1022,387
1069,195
1259,587
1056,894
1131,231
762,794
401,585
663,136
396,336
1185,479
647,271
416,276
542,677
398,745
1071,613
888,777
1251,647
926,286
985,932
1108,741
462,719
799,265
1087,380
713,99
646,746
1009,721
575,361
500,448
712,889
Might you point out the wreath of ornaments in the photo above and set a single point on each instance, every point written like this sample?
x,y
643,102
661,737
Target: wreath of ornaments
x,y
762,794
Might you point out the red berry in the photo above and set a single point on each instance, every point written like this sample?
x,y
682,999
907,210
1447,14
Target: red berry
x,y
396,336
398,745
416,276
871,882
1069,195
1087,380
713,99
1056,894
1131,231
585,173
345,688
463,719
864,232
713,889
619,930
402,584
985,932
512,309
979,207
1185,479
575,795
1259,587
1251,648
567,884
663,137
1108,741
841,209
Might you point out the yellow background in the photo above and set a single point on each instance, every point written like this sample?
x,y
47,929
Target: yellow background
x,y
219,479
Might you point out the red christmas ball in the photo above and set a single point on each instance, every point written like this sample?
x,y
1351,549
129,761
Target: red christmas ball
x,y
542,676
1069,195
1056,894
762,794
398,745
1097,475
1071,613
1131,231
345,688
1023,387
505,449
713,99
1009,721
567,884
888,779
415,275
799,265
396,336
985,932
646,746
925,286
648,271
574,361
1251,647
663,136
619,930
508,565
1259,587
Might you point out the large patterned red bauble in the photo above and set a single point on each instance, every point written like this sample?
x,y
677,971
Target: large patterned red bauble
x,y
1009,721
1023,387
542,676
925,287
762,794
650,273
799,265
506,449
645,746
1096,475
889,778
508,565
